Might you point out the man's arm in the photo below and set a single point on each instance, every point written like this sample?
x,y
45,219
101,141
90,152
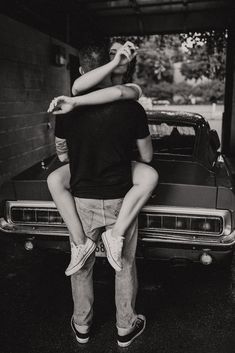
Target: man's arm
x,y
145,149
61,149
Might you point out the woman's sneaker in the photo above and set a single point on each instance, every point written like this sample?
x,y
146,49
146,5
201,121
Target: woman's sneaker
x,y
79,255
113,247
126,340
80,337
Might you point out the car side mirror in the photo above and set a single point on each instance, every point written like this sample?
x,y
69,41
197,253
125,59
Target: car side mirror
x,y
214,140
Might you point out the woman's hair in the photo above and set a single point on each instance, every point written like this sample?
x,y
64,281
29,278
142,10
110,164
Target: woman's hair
x,y
128,76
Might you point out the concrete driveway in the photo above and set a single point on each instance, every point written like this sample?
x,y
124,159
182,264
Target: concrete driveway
x,y
188,310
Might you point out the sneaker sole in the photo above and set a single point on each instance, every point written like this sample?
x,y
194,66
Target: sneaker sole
x,y
80,265
109,256
82,340
126,344
79,340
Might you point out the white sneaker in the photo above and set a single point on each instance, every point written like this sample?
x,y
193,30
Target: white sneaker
x,y
113,248
79,255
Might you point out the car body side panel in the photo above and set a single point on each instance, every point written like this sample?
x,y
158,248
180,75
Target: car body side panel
x,y
32,190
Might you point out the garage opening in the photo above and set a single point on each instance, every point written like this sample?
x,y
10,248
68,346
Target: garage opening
x,y
184,71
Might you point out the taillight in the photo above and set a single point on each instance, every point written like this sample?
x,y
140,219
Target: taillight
x,y
185,223
35,215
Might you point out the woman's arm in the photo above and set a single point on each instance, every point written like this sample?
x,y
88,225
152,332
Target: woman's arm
x,y
92,78
64,104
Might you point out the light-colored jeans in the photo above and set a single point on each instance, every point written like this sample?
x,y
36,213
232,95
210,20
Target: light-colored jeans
x,y
95,215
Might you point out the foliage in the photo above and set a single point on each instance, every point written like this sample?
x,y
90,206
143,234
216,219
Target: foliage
x,y
156,55
166,90
205,55
202,55
162,90
211,91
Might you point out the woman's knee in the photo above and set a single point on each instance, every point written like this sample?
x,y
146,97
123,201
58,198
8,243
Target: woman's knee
x,y
59,178
145,176
152,177
55,180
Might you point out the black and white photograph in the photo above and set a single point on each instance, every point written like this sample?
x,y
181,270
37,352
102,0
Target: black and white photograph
x,y
117,176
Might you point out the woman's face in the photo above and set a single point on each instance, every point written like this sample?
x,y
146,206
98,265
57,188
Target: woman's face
x,y
122,68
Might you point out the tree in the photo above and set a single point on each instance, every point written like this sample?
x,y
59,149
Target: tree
x,y
205,55
202,54
213,89
156,56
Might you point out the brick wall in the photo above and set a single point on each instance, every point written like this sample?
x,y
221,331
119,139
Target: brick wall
x,y
28,82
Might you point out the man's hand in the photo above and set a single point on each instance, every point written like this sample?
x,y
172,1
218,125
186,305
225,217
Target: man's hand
x,y
61,105
125,54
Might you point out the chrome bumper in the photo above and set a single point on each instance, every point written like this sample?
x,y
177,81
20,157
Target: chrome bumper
x,y
153,238
47,230
148,238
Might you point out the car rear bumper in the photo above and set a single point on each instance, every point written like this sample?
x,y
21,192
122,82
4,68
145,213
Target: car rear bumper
x,y
170,247
182,252
150,246
153,238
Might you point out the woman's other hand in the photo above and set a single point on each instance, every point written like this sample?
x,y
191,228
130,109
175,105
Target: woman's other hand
x,y
61,105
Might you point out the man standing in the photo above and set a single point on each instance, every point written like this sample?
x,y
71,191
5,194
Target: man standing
x,y
100,142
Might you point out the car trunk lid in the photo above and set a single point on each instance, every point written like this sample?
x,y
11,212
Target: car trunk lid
x,y
184,184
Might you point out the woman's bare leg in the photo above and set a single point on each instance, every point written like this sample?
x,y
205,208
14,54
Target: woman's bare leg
x,y
58,184
144,179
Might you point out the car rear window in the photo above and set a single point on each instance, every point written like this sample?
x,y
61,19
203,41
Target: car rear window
x,y
171,138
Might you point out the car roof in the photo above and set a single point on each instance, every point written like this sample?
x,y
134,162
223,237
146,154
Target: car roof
x,y
175,116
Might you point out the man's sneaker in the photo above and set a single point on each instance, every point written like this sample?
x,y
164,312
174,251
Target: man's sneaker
x,y
79,255
80,337
113,247
124,341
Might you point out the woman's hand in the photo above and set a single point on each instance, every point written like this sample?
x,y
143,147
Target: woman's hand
x,y
125,54
61,105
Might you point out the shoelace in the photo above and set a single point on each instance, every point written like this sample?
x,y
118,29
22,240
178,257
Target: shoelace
x,y
138,323
77,249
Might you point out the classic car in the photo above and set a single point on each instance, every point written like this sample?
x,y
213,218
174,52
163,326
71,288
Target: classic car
x,y
190,216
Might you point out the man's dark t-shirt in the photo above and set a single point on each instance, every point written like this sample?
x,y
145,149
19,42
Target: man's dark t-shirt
x,y
100,142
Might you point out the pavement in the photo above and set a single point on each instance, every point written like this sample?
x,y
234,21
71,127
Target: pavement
x,y
189,309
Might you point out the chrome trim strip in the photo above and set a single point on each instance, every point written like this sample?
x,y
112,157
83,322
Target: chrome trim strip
x,y
183,210
33,230
223,241
30,203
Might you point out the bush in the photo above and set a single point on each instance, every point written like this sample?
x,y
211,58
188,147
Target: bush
x,y
162,90
210,92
